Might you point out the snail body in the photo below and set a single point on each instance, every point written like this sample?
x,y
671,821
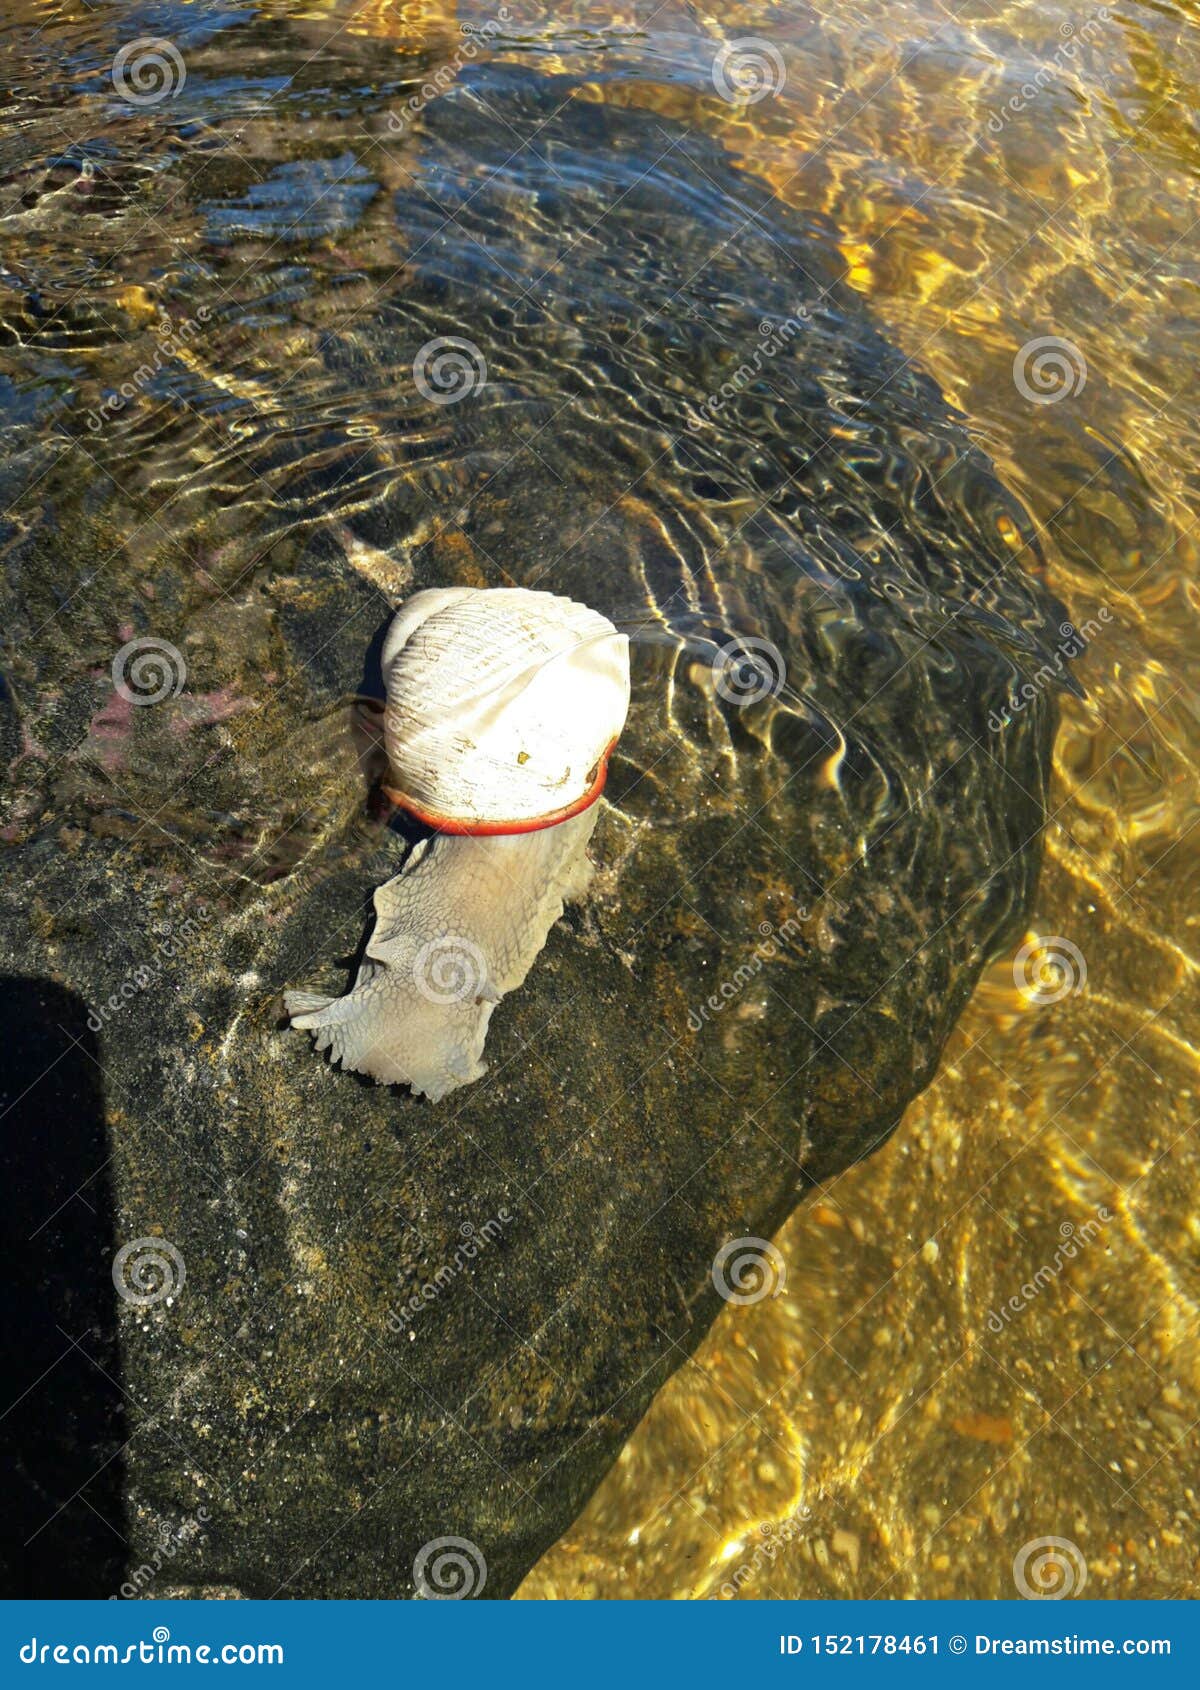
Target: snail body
x,y
502,708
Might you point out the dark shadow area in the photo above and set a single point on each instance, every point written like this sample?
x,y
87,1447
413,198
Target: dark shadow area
x,y
62,1412
371,683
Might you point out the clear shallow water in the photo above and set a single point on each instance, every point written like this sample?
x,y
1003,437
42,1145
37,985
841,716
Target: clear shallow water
x,y
872,1391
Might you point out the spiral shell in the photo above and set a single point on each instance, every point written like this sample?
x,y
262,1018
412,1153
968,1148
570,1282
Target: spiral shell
x,y
502,707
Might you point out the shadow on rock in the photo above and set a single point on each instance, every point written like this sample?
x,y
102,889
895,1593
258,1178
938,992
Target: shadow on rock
x,y
62,1418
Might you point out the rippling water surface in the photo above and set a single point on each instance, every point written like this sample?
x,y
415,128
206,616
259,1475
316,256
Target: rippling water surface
x,y
986,1334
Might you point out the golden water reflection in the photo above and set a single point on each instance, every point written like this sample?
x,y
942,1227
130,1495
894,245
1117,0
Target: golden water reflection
x,y
891,1424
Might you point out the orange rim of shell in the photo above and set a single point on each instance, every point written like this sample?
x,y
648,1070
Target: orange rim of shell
x,y
534,824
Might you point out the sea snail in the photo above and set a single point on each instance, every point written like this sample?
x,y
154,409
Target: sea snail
x,y
503,706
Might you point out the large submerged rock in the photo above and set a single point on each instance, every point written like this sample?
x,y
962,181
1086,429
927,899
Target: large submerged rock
x,y
391,1322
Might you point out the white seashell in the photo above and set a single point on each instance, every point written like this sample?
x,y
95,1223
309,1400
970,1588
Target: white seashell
x,y
502,707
